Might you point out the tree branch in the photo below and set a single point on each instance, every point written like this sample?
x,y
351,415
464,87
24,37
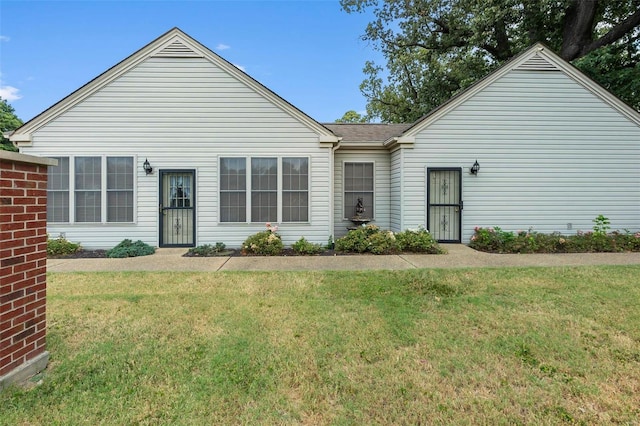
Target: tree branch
x,y
615,34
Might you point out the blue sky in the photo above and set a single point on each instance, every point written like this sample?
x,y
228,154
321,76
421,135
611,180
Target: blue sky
x,y
308,52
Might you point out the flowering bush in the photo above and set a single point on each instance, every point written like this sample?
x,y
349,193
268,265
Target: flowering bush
x,y
495,240
417,241
368,239
266,243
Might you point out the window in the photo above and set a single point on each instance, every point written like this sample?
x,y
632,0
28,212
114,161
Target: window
x,y
58,191
358,183
119,189
295,190
99,189
88,189
276,189
233,185
264,189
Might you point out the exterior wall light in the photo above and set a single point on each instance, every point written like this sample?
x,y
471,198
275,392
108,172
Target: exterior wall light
x,y
475,168
147,167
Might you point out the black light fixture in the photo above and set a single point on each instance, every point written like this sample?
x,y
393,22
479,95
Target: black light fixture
x,y
147,167
475,168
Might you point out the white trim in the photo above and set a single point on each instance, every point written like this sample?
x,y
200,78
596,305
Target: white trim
x,y
375,204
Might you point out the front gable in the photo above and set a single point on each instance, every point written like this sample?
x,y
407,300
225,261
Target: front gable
x,y
182,76
537,59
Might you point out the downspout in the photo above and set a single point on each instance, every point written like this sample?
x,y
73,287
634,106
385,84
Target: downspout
x,y
332,171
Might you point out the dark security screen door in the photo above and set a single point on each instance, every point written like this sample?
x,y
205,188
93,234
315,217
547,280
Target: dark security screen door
x,y
177,208
444,206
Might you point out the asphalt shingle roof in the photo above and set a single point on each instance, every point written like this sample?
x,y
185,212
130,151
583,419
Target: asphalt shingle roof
x,y
367,132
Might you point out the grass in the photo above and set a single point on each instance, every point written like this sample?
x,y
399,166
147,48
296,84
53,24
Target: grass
x,y
469,346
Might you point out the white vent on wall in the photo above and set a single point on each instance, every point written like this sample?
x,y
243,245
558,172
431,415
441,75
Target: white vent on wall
x,y
537,63
177,50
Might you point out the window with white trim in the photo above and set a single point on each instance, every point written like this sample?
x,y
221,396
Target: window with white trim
x,y
99,190
358,183
58,191
275,189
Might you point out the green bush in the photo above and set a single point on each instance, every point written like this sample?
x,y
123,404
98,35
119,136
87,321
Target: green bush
x,y
127,248
495,240
368,239
266,243
304,247
61,247
417,241
207,250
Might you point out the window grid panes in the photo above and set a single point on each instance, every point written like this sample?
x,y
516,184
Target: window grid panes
x,y
58,191
295,189
119,189
266,195
233,184
264,189
358,183
88,178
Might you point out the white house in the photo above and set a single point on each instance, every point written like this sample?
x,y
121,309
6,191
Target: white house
x,y
224,155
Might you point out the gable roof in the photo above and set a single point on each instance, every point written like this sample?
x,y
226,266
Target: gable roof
x,y
174,43
537,58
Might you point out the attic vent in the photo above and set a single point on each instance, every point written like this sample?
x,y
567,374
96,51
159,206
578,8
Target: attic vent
x,y
177,50
537,63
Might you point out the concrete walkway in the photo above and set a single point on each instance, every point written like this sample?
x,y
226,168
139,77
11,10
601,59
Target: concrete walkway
x,y
458,256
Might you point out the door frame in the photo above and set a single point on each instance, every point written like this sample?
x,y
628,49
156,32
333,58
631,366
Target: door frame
x,y
460,203
161,174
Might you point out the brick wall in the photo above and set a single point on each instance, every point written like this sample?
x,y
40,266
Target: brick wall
x,y
23,261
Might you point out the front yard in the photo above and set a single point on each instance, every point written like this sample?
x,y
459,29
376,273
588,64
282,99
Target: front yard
x,y
475,346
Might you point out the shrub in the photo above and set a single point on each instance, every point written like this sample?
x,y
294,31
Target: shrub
x,y
417,241
127,248
494,240
304,247
61,247
368,239
266,243
207,250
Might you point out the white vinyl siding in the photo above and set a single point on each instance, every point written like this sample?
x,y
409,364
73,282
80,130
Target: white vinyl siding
x,y
382,199
552,157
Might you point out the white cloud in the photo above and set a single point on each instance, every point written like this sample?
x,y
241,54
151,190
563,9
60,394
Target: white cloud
x,y
9,93
240,67
4,38
222,46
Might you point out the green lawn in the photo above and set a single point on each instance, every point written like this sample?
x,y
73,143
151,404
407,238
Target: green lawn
x,y
468,346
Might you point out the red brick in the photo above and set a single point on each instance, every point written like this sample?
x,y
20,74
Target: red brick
x,y
37,224
16,294
23,334
6,366
37,304
37,240
21,200
25,184
24,317
24,217
10,332
24,283
10,279
24,250
40,208
38,270
6,174
37,176
25,167
11,226
10,349
24,301
6,183
4,218
25,266
12,193
23,352
10,261
10,209
38,335
42,185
